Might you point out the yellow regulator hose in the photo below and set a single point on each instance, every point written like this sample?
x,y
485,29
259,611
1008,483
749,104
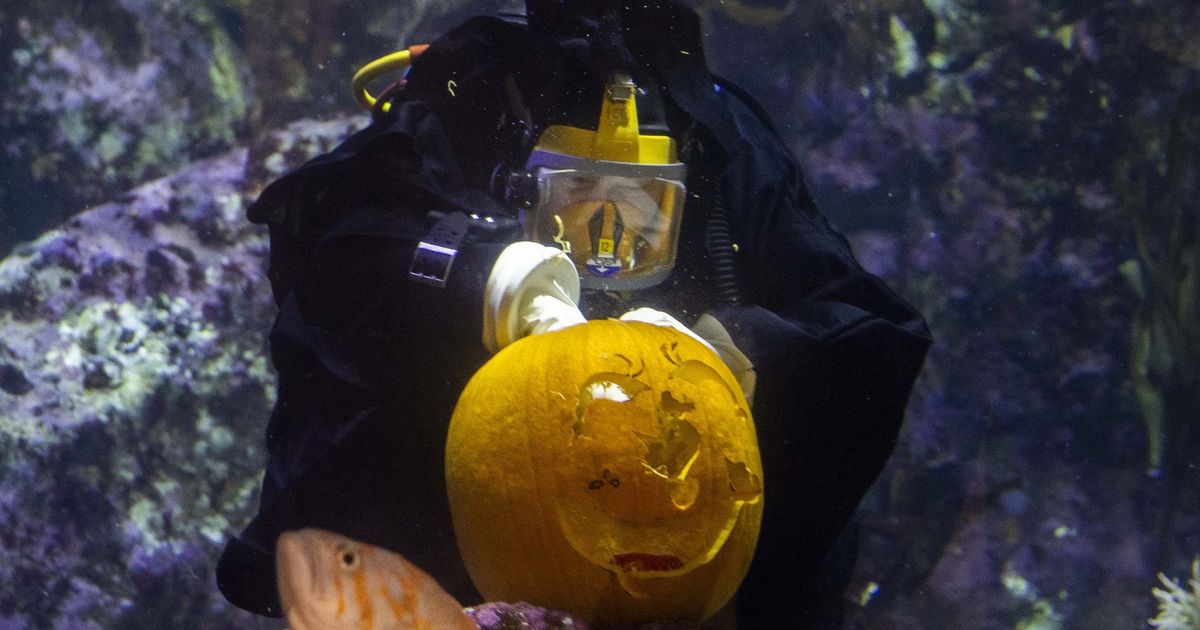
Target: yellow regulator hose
x,y
398,61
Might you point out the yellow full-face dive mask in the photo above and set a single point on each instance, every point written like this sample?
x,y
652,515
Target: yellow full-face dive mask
x,y
612,198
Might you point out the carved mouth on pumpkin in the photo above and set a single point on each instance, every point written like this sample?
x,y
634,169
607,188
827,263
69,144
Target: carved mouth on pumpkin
x,y
646,562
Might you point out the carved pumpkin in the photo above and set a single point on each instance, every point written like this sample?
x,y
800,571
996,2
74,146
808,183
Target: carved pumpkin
x,y
609,469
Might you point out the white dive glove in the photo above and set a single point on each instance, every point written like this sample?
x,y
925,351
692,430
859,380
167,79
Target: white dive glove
x,y
711,333
532,289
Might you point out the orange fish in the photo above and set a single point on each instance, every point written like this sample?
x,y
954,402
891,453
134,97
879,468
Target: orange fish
x,y
330,582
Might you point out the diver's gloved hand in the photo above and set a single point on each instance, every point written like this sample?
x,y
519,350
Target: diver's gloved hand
x,y
711,333
532,289
712,330
649,315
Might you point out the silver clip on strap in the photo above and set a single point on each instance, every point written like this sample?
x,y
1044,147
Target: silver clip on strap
x,y
435,254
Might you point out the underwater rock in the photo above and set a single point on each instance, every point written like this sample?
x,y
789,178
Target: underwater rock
x,y
101,374
134,390
99,98
526,616
13,381
521,615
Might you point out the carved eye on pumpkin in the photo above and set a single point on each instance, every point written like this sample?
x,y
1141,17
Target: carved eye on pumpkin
x,y
598,484
630,476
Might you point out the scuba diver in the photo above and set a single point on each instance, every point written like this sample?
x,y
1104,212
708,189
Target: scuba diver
x,y
530,171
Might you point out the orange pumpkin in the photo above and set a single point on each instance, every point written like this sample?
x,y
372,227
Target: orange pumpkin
x,y
609,469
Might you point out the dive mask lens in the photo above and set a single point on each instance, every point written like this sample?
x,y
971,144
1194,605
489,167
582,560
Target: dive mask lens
x,y
621,231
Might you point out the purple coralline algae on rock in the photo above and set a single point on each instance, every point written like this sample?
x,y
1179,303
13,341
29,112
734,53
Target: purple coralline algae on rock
x,y
134,388
525,616
521,616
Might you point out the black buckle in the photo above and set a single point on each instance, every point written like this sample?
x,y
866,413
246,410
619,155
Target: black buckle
x,y
431,264
435,253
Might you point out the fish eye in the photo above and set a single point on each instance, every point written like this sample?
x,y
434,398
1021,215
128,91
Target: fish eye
x,y
348,558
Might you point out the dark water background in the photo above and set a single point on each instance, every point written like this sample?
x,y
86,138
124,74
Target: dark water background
x,y
1025,172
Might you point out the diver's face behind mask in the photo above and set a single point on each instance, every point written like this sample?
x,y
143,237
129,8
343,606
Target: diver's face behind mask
x,y
619,223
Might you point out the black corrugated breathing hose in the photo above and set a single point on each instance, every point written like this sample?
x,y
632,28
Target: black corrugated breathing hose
x,y
721,253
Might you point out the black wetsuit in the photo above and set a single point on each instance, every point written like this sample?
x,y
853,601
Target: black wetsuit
x,y
371,363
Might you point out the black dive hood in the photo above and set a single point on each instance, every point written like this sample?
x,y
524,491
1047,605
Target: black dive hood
x,y
658,42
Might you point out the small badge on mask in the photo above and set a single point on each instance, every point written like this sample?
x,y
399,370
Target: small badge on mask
x,y
606,227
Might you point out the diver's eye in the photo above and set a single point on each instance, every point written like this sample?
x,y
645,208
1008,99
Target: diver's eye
x,y
348,558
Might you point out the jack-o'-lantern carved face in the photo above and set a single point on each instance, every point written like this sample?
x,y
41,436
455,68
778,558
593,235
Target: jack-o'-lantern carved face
x,y
644,495
610,469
